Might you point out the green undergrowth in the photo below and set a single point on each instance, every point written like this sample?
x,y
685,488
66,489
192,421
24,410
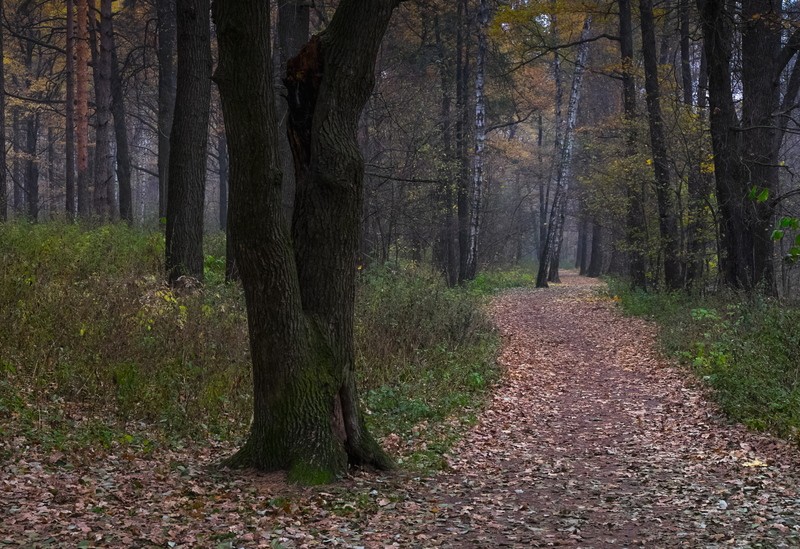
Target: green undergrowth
x,y
746,349
97,352
492,281
426,356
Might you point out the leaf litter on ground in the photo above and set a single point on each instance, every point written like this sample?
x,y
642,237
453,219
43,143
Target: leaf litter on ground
x,y
592,439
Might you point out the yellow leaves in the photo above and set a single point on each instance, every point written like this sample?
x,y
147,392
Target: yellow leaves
x,y
707,167
754,463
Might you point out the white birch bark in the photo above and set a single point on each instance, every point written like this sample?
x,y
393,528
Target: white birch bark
x,y
558,208
480,140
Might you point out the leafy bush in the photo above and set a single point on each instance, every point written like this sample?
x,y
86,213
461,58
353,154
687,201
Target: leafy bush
x,y
748,350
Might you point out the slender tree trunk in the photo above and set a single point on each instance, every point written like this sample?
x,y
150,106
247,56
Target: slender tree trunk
x,y
167,84
695,181
445,253
668,223
558,208
583,257
300,306
3,178
231,272
16,164
636,233
69,140
103,160
480,143
189,142
595,268
82,106
120,123
462,106
32,166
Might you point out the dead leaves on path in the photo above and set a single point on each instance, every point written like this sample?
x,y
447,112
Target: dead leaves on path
x,y
591,440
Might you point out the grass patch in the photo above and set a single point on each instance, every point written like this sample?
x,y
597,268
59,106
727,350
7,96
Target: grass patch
x,y
491,282
747,350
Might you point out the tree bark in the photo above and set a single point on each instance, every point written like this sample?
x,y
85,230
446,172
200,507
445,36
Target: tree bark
x,y
82,106
3,177
300,298
462,122
636,233
558,208
103,160
167,85
120,123
293,25
188,142
32,166
745,260
668,222
480,143
69,140
595,268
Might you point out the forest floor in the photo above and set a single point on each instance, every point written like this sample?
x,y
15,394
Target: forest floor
x,y
592,439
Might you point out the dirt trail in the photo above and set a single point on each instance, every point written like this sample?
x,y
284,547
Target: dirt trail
x,y
594,440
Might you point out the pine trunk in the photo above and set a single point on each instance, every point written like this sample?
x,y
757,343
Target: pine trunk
x,y
69,140
82,106
103,160
120,123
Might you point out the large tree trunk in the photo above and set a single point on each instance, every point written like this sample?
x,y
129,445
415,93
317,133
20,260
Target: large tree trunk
x,y
82,106
480,143
558,208
120,123
300,306
167,84
69,140
188,142
668,221
761,48
103,159
744,157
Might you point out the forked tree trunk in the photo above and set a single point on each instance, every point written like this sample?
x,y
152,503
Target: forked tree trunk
x,y
188,142
300,290
558,208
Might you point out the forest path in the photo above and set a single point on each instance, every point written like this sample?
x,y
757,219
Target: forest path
x,y
595,440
